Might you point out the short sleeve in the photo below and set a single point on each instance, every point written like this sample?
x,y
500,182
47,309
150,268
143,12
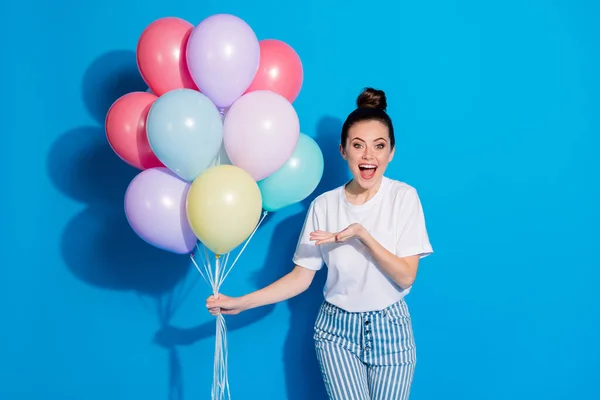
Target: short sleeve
x,y
307,254
413,238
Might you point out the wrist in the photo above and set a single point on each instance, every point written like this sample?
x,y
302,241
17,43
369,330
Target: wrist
x,y
363,234
245,302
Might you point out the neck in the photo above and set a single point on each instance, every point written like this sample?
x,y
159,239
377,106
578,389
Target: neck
x,y
359,195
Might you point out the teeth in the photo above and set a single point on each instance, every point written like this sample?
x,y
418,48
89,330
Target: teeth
x,y
367,166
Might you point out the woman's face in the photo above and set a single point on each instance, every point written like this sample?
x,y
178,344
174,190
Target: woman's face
x,y
368,152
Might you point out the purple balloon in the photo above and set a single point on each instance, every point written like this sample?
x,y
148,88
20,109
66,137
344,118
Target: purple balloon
x,y
155,208
223,55
260,132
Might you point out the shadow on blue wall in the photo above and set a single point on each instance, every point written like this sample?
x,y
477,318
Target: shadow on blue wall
x,y
98,245
299,357
101,249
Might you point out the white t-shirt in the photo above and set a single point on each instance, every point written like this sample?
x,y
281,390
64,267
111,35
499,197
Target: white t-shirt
x,y
394,217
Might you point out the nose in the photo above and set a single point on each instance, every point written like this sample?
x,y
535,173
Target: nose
x,y
366,154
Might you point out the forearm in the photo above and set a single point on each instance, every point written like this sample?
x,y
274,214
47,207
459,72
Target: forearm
x,y
397,269
290,285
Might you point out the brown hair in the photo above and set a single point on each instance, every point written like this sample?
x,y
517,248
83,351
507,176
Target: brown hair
x,y
371,105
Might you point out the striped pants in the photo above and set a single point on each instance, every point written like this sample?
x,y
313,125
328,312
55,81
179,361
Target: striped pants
x,y
366,355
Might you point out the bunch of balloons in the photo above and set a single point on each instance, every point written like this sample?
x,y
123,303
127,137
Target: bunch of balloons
x,y
216,138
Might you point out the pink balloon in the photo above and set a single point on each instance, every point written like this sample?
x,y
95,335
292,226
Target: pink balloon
x,y
260,132
126,130
161,55
280,70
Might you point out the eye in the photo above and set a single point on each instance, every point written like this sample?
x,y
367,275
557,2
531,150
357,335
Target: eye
x,y
380,146
357,145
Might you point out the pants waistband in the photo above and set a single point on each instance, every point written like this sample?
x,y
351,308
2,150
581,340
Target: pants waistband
x,y
395,308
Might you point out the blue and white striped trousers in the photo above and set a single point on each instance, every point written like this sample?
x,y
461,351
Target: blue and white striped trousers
x,y
366,355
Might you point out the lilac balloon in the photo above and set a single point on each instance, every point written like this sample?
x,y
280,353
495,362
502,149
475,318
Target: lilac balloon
x,y
260,132
155,208
223,55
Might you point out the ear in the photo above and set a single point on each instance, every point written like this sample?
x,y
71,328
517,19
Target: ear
x,y
343,152
392,154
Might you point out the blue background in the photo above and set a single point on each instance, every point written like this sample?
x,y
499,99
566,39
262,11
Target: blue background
x,y
497,112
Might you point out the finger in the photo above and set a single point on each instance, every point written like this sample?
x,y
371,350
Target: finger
x,y
220,307
218,297
321,236
320,233
325,241
215,304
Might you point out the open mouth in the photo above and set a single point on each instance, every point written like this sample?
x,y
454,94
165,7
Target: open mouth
x,y
367,171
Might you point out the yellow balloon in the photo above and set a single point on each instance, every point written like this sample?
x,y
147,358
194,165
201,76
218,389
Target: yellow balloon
x,y
224,205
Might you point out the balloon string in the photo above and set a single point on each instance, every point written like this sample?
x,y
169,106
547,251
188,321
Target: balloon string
x,y
198,268
217,281
207,274
220,386
243,248
206,263
225,263
212,277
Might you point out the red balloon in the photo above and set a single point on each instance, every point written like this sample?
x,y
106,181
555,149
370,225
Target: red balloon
x,y
161,56
126,129
280,70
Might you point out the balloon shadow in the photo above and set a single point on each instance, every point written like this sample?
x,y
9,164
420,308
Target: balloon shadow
x,y
109,77
303,378
98,246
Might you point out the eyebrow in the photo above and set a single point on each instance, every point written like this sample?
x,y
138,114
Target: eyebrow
x,y
379,138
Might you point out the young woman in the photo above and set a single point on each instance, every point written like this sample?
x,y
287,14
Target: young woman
x,y
371,234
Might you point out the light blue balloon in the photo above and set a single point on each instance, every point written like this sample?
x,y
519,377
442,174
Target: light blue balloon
x,y
185,131
296,179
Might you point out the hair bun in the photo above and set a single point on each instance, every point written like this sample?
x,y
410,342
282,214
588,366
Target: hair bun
x,y
372,98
